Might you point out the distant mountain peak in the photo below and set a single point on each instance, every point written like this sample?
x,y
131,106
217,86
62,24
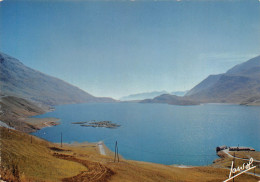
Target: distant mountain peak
x,y
144,95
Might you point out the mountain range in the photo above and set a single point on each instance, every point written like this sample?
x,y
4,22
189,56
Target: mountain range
x,y
142,96
171,99
18,80
150,95
239,85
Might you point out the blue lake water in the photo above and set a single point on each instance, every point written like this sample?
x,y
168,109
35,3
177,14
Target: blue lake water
x,y
160,133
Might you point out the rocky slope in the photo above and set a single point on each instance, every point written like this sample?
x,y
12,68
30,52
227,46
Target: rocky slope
x,y
240,84
18,80
14,111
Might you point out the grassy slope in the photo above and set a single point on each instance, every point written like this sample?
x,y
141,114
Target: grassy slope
x,y
44,161
32,160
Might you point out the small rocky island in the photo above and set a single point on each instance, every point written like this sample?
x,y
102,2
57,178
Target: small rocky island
x,y
94,124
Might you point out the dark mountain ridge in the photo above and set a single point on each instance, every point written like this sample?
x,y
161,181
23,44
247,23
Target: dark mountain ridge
x,y
150,95
171,99
18,80
237,85
207,83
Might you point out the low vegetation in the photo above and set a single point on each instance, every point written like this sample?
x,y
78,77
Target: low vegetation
x,y
246,154
27,158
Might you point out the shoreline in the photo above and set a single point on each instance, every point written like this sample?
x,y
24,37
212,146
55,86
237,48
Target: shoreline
x,y
40,123
83,160
103,149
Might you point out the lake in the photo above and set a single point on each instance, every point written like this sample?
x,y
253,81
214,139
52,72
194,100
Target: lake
x,y
159,133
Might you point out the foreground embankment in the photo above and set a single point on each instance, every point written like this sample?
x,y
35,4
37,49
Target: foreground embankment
x,y
27,158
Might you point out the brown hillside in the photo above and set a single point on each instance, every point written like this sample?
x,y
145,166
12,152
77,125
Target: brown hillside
x,y
28,158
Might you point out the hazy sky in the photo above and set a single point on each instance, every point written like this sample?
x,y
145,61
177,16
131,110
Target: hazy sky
x,y
118,48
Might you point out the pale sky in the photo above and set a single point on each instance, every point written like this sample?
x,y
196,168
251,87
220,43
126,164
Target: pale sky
x,y
118,48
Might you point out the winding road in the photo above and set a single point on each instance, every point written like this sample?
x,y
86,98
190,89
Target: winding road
x,y
226,151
